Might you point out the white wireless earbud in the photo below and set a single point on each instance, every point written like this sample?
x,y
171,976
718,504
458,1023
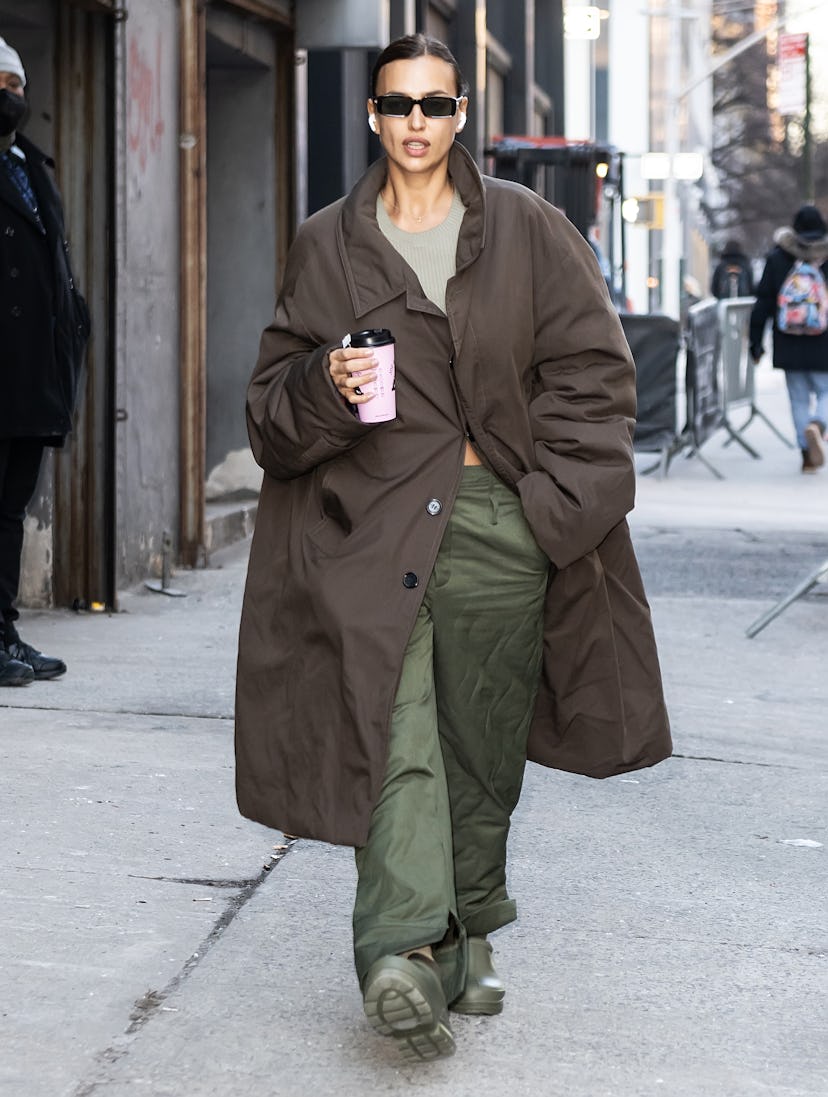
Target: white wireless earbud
x,y
462,120
372,123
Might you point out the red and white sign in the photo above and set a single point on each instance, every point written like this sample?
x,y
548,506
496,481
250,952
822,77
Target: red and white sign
x,y
793,65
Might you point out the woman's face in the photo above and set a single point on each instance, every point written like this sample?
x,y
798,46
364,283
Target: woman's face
x,y
416,143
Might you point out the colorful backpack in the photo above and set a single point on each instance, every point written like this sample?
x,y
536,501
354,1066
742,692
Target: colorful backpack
x,y
802,303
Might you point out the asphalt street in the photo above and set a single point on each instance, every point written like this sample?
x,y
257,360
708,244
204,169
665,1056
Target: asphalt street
x,y
673,929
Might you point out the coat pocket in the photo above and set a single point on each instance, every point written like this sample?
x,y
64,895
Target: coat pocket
x,y
331,530
326,536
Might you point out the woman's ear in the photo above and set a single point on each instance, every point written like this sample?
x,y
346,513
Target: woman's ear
x,y
461,118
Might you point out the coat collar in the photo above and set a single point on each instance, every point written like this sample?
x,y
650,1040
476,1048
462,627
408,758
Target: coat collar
x,y
813,251
375,272
35,160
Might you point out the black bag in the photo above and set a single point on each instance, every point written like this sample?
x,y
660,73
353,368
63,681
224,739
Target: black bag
x,y
732,280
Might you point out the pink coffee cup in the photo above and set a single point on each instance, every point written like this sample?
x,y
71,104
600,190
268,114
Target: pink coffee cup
x,y
384,404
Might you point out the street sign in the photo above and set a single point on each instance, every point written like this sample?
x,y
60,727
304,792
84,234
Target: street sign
x,y
655,165
644,209
582,22
682,165
792,69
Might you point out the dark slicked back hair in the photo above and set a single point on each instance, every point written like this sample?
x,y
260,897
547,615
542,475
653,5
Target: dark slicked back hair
x,y
417,45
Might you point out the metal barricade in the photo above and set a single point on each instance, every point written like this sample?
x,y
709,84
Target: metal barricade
x,y
702,379
654,341
738,371
719,378
807,584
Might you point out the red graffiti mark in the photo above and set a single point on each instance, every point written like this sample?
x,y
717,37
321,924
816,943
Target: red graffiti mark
x,y
145,125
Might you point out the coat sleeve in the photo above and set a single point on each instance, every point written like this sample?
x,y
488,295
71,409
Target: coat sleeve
x,y
583,400
296,418
763,307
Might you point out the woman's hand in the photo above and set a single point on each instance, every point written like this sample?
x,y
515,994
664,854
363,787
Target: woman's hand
x,y
344,363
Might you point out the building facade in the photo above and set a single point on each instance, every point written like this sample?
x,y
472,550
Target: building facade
x,y
191,136
660,101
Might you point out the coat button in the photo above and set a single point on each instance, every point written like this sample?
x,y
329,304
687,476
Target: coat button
x,y
410,580
14,273
434,506
16,310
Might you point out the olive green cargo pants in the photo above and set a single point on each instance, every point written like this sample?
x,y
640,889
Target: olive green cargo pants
x,y
434,868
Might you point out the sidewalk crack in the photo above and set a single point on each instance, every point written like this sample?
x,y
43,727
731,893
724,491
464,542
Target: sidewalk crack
x,y
152,1002
206,882
734,761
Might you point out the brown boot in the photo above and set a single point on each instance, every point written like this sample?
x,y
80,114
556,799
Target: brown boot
x,y
814,437
807,463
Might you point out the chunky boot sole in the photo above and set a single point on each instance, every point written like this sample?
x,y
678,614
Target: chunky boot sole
x,y
404,1000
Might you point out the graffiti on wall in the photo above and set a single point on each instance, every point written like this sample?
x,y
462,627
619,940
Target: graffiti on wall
x,y
145,126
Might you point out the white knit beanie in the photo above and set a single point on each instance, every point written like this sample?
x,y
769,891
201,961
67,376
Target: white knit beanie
x,y
10,61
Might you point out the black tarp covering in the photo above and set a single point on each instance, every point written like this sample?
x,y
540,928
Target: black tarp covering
x,y
654,342
705,400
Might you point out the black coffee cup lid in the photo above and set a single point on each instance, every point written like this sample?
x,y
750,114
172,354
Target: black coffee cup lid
x,y
371,337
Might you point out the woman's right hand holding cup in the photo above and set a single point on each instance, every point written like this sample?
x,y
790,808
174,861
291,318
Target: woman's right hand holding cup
x,y
343,363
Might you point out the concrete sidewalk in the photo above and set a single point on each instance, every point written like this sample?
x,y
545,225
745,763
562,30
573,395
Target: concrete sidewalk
x,y
673,936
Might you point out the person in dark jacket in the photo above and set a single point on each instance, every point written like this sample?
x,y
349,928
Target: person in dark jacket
x,y
732,276
804,358
43,330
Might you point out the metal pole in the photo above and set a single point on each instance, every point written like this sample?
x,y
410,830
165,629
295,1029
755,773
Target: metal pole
x,y
192,282
622,224
671,234
799,590
808,149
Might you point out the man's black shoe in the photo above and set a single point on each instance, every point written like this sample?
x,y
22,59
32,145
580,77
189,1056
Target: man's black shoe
x,y
13,672
43,666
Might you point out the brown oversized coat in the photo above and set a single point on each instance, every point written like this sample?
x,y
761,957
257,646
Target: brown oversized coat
x,y
531,361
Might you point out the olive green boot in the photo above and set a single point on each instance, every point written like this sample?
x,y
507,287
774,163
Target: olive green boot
x,y
483,992
404,998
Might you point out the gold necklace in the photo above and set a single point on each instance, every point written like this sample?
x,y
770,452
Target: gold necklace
x,y
418,220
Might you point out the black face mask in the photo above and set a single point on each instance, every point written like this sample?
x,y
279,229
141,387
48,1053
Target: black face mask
x,y
12,110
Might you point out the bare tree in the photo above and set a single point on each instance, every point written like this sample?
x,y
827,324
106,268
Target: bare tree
x,y
757,156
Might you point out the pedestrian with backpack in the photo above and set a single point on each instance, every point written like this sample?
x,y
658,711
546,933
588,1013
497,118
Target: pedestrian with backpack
x,y
732,276
792,293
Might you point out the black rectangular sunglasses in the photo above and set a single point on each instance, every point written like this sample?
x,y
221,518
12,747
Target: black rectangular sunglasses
x,y
400,106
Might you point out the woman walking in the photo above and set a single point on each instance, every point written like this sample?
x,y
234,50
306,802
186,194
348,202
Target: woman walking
x,y
431,598
793,284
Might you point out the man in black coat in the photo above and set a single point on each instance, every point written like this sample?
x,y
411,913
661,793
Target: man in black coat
x,y
733,276
803,357
44,325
